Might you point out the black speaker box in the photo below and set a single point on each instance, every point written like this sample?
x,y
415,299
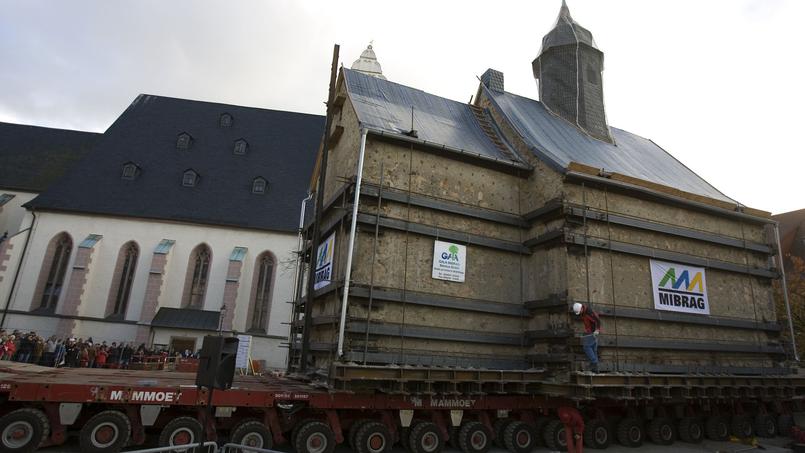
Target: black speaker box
x,y
216,367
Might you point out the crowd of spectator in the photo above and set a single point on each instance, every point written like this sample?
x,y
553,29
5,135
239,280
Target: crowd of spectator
x,y
71,352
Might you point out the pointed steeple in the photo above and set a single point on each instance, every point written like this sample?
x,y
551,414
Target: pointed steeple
x,y
569,69
368,64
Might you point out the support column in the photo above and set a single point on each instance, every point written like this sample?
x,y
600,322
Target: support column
x,y
75,286
232,285
153,289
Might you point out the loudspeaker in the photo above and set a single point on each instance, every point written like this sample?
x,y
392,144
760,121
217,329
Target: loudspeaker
x,y
216,366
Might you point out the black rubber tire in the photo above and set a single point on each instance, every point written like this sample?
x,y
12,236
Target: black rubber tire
x,y
35,424
370,433
784,424
500,427
252,433
425,438
299,426
186,426
405,434
474,437
539,428
314,437
691,430
353,431
765,426
99,425
717,428
452,436
661,431
554,435
630,432
741,426
520,437
597,434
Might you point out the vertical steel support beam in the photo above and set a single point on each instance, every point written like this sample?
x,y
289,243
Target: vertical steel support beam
x,y
785,290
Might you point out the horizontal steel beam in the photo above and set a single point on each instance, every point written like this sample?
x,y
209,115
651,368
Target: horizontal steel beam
x,y
674,230
547,334
677,345
552,301
451,235
435,333
694,370
446,206
413,358
551,209
438,300
668,316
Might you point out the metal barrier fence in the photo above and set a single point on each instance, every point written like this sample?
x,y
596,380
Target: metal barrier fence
x,y
236,448
206,447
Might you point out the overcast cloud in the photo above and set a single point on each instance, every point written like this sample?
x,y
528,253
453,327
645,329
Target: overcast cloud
x,y
716,83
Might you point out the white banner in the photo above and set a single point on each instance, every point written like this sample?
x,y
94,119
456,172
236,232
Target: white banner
x,y
678,287
449,261
324,263
244,350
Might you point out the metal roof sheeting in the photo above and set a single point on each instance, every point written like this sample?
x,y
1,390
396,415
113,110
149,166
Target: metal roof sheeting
x,y
186,318
561,143
386,106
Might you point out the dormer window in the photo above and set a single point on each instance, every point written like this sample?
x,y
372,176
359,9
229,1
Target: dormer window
x,y
225,120
259,185
241,146
130,171
183,141
190,178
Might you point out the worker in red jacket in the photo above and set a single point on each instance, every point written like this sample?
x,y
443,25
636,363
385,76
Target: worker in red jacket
x,y
592,327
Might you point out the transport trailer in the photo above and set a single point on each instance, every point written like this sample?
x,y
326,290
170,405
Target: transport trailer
x,y
470,409
111,409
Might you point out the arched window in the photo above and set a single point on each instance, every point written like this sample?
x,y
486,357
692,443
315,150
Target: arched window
x,y
259,185
190,178
183,141
198,272
241,146
225,120
261,292
53,270
123,278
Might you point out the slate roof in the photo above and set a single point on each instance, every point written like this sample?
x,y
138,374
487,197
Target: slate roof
x,y
33,157
186,318
558,142
385,106
281,149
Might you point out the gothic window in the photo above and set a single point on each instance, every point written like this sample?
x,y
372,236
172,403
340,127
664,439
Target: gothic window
x,y
123,279
62,246
129,170
241,146
225,120
198,271
183,141
259,185
190,178
261,302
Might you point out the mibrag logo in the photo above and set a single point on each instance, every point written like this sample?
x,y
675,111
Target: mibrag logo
x,y
679,288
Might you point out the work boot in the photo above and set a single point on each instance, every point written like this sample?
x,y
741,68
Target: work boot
x,y
594,368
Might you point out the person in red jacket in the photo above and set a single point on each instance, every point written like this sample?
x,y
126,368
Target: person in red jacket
x,y
592,327
100,357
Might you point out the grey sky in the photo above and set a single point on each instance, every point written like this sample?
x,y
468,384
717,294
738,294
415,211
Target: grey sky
x,y
716,83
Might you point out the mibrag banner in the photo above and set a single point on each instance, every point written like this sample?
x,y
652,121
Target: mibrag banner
x,y
678,287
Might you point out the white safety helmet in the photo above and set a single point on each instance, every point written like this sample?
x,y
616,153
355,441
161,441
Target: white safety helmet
x,y
577,308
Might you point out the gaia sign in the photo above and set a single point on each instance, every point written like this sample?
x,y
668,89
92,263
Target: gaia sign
x,y
679,288
449,261
324,263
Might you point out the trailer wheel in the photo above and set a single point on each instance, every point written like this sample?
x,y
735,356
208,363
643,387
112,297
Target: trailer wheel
x,y
373,437
597,434
298,426
252,433
784,424
539,428
425,438
519,437
717,428
765,426
314,437
23,430
630,432
353,431
500,427
690,430
105,432
181,431
554,435
405,434
474,437
661,431
741,426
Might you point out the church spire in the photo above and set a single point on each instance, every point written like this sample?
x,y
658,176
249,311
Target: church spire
x,y
368,64
569,69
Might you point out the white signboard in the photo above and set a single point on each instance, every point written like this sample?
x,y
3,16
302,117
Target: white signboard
x,y
678,287
244,349
449,261
324,263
